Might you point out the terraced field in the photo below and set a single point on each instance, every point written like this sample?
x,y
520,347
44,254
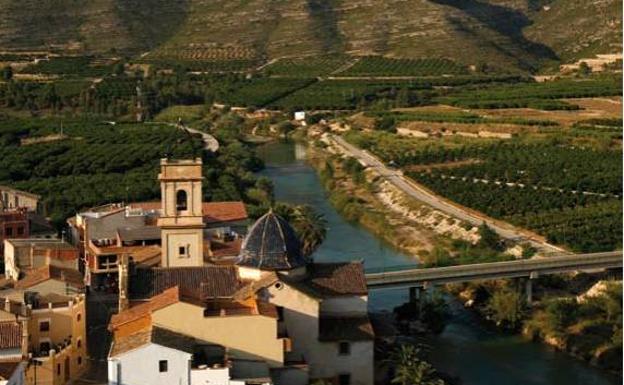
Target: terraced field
x,y
503,34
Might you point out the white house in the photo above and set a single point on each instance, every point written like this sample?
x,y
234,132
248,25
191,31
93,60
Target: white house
x,y
158,356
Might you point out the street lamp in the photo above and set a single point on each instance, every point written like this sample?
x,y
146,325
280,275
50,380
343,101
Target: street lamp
x,y
35,362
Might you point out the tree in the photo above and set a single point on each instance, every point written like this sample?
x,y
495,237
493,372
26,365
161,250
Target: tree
x,y
7,73
489,238
410,369
311,227
284,128
584,69
386,123
118,68
506,307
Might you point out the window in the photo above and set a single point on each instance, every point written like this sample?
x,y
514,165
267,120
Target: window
x,y
9,232
182,251
106,262
79,343
344,379
181,200
162,366
20,230
58,369
44,347
344,348
79,360
44,326
78,317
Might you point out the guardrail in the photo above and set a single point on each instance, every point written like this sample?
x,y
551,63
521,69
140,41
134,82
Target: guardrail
x,y
509,269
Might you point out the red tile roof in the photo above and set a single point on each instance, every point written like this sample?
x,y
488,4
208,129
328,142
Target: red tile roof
x,y
36,276
164,299
10,335
155,335
197,282
332,280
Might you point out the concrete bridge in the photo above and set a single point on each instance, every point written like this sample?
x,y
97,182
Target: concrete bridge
x,y
418,278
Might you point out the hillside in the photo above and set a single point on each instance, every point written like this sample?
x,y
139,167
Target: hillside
x,y
522,34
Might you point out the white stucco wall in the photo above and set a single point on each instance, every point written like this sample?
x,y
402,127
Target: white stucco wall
x,y
301,315
210,376
140,367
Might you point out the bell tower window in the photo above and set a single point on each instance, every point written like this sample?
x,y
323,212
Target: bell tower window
x,y
181,201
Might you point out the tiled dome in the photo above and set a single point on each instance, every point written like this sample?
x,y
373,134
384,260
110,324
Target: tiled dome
x,y
271,244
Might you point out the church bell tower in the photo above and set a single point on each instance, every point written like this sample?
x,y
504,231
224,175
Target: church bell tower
x,y
181,220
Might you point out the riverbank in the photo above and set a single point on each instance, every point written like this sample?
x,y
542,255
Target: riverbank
x,y
367,199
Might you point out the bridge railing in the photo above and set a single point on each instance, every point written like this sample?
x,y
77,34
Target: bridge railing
x,y
537,264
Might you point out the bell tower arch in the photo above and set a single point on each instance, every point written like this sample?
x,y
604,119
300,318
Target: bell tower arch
x,y
181,220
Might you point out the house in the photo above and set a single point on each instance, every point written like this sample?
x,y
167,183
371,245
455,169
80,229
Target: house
x,y
155,355
13,199
51,279
26,254
151,232
45,334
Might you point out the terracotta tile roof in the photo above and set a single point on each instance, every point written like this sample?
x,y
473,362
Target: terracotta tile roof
x,y
197,282
224,211
147,256
332,280
220,249
7,369
10,335
164,299
214,212
345,329
155,335
36,276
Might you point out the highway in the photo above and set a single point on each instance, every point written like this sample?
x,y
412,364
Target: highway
x,y
413,190
415,277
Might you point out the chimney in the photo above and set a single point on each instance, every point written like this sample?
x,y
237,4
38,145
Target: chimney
x,y
7,305
124,302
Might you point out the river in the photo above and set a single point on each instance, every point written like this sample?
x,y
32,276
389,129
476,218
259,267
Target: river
x,y
465,349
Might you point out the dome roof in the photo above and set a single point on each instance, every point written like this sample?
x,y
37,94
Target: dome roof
x,y
271,244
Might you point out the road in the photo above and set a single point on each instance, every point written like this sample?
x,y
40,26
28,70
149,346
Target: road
x,y
210,142
410,188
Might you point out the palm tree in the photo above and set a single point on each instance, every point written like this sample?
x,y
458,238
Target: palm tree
x,y
410,369
311,227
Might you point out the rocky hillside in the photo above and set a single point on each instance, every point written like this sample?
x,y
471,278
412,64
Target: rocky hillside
x,y
522,34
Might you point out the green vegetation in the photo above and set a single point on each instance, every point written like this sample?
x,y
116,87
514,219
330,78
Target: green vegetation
x,y
455,117
306,67
380,66
570,194
535,95
410,369
590,328
83,66
506,307
100,163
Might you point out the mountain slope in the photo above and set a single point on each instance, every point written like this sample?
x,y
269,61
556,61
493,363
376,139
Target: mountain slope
x,y
508,33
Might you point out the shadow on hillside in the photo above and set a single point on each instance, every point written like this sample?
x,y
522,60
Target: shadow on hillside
x,y
324,24
152,22
506,21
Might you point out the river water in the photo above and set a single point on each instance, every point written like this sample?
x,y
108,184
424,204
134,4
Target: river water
x,y
465,349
